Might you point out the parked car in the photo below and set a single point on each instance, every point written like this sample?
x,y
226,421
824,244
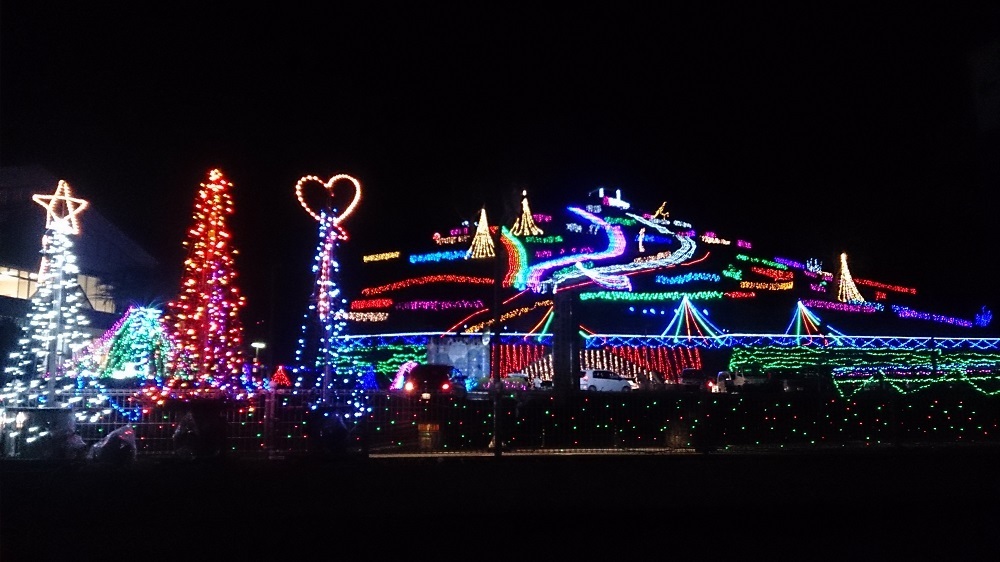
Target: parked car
x,y
516,381
603,380
792,380
697,380
426,381
539,383
652,380
729,382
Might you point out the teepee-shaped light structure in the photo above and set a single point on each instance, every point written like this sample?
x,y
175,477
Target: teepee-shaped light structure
x,y
525,224
482,242
847,291
808,327
54,329
688,322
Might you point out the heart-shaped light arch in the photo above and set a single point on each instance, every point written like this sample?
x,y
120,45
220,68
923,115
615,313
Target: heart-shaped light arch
x,y
334,221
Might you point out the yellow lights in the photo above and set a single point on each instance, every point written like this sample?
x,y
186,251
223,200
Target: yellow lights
x,y
363,316
482,242
328,185
482,326
61,209
847,291
381,257
762,286
661,212
525,224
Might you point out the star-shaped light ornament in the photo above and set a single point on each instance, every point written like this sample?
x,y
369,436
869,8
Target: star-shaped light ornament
x,y
62,209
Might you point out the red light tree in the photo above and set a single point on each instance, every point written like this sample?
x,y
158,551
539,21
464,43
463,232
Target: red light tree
x,y
205,317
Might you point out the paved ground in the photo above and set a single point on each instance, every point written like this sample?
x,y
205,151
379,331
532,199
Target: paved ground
x,y
918,503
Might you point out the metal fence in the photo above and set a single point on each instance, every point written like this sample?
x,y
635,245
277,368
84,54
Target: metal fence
x,y
283,424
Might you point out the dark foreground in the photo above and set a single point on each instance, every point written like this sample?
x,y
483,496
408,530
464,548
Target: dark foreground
x,y
918,503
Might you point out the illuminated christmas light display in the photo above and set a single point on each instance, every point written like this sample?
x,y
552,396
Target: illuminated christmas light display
x,y
55,325
616,245
776,274
650,297
135,348
525,224
517,260
661,212
362,316
886,286
761,286
438,305
571,261
907,312
687,322
208,356
384,256
319,365
482,326
438,256
460,279
860,366
687,278
482,242
280,378
808,326
366,304
613,282
847,291
865,307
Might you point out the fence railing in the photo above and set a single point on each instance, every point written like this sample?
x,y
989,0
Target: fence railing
x,y
283,424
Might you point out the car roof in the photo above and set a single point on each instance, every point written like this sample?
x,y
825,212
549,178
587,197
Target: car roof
x,y
426,370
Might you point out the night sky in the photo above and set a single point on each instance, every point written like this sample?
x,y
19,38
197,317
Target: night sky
x,y
871,130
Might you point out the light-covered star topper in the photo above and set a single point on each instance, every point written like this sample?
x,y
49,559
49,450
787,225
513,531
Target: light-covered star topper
x,y
336,220
61,209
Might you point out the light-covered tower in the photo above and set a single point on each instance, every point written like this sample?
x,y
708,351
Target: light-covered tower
x,y
55,326
205,317
319,362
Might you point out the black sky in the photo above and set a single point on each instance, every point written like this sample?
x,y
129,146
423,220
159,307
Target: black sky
x,y
868,129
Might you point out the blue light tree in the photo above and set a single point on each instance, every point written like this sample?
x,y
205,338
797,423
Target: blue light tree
x,y
321,366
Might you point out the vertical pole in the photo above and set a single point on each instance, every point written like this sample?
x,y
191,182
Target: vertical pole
x,y
269,399
55,343
495,342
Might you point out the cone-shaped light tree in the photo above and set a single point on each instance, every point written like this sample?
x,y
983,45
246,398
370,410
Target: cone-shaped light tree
x,y
54,327
134,349
208,356
482,242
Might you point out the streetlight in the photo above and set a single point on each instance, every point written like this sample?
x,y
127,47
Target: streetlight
x,y
257,346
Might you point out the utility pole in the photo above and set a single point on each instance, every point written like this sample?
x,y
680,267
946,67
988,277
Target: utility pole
x,y
497,383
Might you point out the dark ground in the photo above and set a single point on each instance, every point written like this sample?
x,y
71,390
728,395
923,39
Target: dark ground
x,y
915,503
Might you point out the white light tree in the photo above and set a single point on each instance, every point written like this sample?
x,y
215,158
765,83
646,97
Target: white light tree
x,y
55,326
